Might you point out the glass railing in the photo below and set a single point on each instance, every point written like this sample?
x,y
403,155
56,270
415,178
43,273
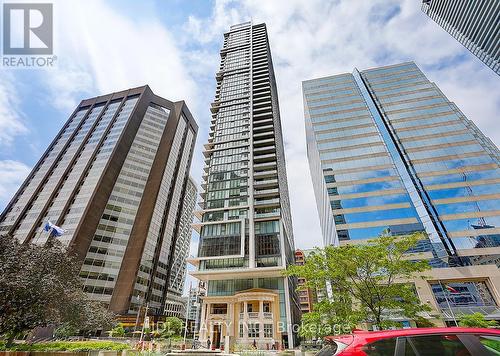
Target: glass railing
x,y
267,215
267,201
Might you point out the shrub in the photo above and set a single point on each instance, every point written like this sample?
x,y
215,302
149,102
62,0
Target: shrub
x,y
67,346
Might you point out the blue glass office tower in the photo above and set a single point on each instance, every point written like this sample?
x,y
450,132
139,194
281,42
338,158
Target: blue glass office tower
x,y
389,153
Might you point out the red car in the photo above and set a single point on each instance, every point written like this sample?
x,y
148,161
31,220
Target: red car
x,y
415,342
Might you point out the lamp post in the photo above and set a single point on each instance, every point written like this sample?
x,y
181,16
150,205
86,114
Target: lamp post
x,y
138,312
187,314
143,324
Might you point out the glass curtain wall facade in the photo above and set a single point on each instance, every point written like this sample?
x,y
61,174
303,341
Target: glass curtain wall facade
x,y
246,237
475,24
394,155
177,273
108,163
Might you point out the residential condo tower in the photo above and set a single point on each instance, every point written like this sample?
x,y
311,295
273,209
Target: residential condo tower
x,y
246,238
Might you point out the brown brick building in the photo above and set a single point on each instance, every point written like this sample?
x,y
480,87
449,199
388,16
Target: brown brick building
x,y
114,178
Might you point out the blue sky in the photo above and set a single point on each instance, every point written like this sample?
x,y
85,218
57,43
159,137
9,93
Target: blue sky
x,y
173,46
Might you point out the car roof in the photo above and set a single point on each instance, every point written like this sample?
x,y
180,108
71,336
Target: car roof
x,y
363,334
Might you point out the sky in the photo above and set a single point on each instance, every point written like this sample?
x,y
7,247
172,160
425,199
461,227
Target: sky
x,y
173,46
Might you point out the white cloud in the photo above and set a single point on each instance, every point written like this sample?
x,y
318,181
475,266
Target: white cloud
x,y
211,28
316,38
11,120
101,49
12,175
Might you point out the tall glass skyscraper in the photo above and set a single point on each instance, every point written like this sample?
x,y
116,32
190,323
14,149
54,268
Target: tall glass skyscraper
x,y
114,178
246,238
390,153
475,24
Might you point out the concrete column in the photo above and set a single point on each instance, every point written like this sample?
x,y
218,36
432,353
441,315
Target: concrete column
x,y
245,320
289,315
260,343
231,319
208,323
226,344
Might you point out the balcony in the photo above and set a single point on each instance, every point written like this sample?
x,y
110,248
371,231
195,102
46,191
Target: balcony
x,y
264,166
255,315
267,215
270,157
264,150
268,315
260,129
266,183
262,103
263,135
267,202
263,142
263,115
266,192
265,174
257,123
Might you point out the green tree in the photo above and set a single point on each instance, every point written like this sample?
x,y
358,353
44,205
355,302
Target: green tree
x,y
41,286
476,320
328,318
172,326
369,281
117,331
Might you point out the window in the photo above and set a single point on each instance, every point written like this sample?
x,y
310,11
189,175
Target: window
x,y
442,345
267,227
267,307
219,309
241,330
253,330
268,330
460,294
219,246
268,245
384,347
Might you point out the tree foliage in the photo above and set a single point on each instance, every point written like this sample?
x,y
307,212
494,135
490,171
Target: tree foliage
x,y
368,281
476,320
41,286
117,331
172,326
